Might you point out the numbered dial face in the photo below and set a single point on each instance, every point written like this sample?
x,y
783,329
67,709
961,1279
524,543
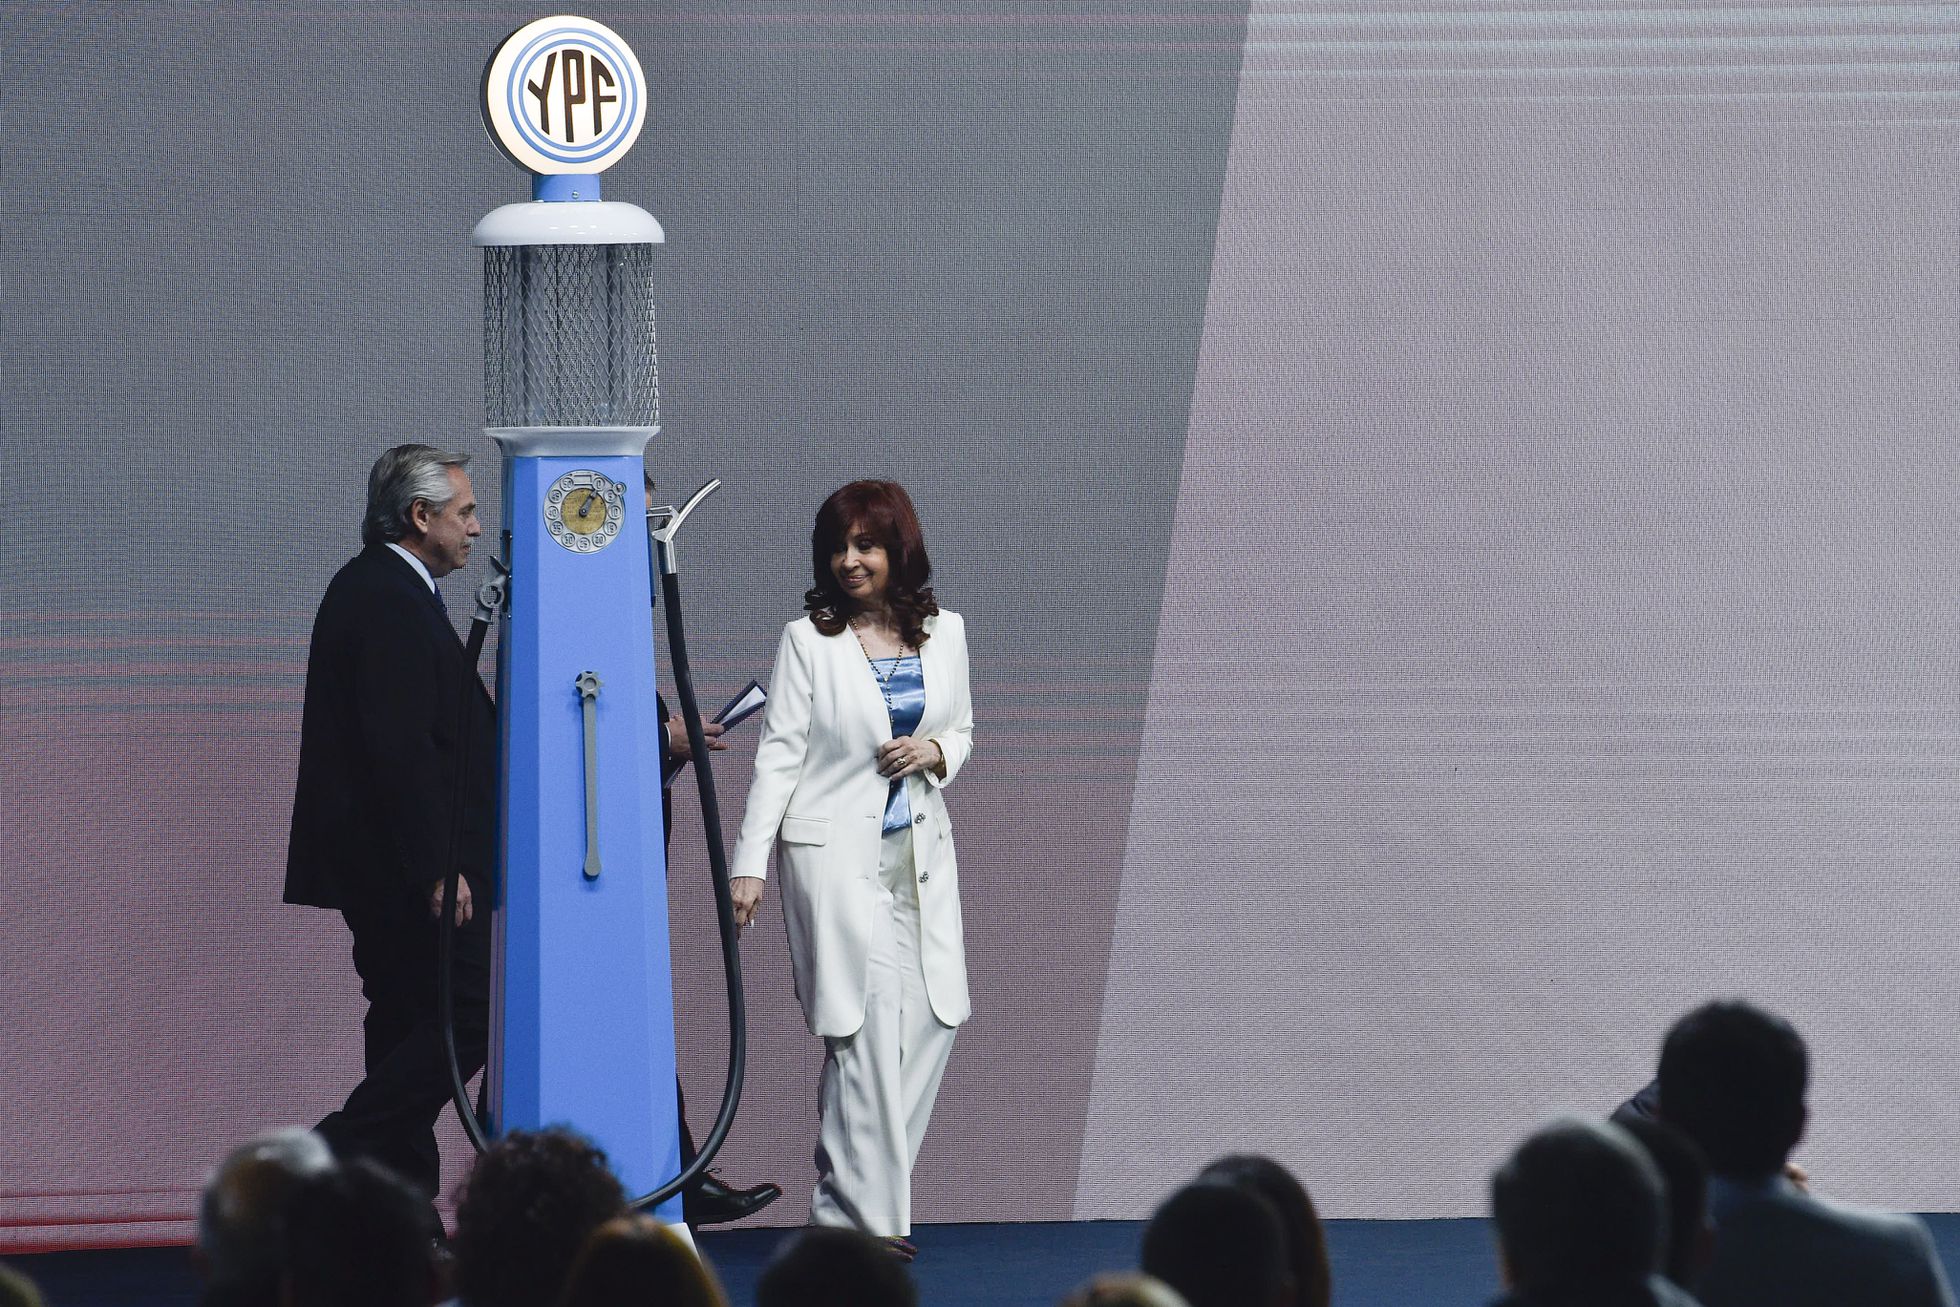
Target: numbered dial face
x,y
584,510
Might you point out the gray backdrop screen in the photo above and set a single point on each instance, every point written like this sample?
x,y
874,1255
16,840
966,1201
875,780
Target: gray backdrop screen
x,y
1451,501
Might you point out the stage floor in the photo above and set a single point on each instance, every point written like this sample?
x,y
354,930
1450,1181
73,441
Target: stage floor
x,y
1376,1264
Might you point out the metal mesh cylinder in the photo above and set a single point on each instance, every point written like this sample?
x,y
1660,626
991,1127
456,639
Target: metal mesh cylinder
x,y
568,336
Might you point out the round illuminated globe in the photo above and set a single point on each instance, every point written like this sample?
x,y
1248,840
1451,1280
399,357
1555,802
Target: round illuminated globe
x,y
564,95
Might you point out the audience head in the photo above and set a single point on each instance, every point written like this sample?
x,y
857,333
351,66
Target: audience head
x,y
1218,1245
241,1215
824,1266
1299,1223
1578,1211
525,1211
359,1236
1733,1079
1684,1187
1124,1291
633,1259
16,1290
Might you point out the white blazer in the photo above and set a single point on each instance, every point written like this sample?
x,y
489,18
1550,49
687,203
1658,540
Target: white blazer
x,y
817,790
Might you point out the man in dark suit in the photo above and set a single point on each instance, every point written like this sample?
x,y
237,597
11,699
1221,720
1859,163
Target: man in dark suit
x,y
388,686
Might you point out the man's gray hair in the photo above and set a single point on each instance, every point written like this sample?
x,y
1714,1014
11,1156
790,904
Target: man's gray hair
x,y
240,1215
401,476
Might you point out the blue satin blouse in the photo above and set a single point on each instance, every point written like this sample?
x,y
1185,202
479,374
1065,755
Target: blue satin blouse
x,y
904,683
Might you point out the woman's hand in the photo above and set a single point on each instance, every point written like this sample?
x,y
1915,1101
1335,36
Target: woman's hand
x,y
747,893
905,755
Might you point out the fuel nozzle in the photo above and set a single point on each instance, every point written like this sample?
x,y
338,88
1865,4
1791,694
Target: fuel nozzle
x,y
664,523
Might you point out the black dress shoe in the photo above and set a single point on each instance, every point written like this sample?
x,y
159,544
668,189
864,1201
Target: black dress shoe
x,y
710,1202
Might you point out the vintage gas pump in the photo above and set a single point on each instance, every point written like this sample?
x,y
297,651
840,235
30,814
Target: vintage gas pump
x,y
582,1011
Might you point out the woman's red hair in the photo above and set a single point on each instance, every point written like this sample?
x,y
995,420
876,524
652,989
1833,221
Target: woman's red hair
x,y
884,511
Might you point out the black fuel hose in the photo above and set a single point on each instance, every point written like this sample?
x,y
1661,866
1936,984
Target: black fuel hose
x,y
459,1089
731,953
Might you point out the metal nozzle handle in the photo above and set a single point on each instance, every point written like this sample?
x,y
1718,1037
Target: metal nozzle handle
x,y
665,522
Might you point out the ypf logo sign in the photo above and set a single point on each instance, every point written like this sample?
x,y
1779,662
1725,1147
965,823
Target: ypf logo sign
x,y
564,95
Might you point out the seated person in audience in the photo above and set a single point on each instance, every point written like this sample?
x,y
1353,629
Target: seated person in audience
x,y
16,1290
1299,1223
1733,1079
1646,1106
834,1266
1124,1291
241,1215
1684,1186
1580,1223
524,1212
1219,1245
359,1236
634,1261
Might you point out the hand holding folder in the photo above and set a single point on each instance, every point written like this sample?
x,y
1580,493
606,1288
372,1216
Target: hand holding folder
x,y
747,703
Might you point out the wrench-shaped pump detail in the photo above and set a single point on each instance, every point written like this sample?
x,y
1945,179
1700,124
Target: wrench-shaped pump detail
x,y
494,594
587,684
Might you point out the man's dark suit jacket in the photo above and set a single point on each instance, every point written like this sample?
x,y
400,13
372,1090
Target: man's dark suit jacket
x,y
378,747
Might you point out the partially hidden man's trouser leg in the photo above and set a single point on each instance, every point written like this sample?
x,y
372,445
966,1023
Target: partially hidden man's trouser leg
x,y
390,1116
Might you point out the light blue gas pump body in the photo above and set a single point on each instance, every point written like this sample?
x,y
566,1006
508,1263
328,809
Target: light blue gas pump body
x,y
582,1029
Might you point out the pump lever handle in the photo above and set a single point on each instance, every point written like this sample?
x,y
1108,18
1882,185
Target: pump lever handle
x,y
587,685
665,522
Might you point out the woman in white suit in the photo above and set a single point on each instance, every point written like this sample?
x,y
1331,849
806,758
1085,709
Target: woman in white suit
x,y
869,719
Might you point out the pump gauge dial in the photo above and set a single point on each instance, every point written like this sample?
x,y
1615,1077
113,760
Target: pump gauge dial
x,y
584,510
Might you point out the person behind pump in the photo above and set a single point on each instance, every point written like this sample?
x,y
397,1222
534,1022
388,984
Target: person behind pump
x,y
709,1200
869,718
388,685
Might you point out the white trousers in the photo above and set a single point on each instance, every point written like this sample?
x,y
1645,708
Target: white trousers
x,y
879,1084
